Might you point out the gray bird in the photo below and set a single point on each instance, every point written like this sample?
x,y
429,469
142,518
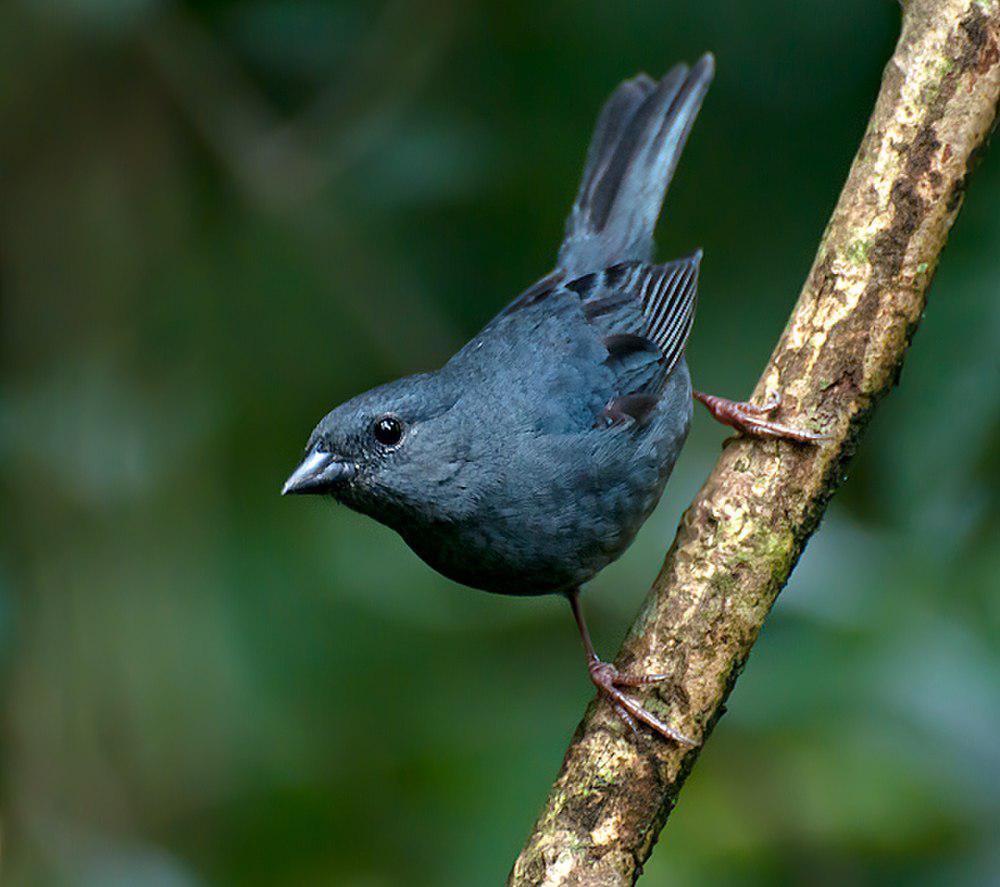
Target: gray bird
x,y
528,462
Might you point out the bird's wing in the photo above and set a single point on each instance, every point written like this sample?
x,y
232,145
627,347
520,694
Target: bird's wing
x,y
598,345
642,315
642,308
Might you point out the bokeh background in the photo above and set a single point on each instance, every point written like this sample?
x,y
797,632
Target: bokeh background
x,y
220,219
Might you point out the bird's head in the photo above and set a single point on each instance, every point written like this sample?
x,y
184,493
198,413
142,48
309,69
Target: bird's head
x,y
390,453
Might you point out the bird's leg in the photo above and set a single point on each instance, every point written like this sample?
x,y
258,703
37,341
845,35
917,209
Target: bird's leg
x,y
608,680
750,418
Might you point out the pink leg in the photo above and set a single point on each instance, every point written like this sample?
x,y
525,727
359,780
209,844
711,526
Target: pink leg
x,y
608,679
750,418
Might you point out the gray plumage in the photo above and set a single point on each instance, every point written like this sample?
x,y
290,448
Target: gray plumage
x,y
530,460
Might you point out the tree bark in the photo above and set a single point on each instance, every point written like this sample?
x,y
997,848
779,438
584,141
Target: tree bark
x,y
840,352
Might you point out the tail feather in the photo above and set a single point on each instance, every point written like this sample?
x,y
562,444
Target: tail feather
x,y
632,157
619,110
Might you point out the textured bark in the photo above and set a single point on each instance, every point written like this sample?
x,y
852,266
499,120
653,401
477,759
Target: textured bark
x,y
839,354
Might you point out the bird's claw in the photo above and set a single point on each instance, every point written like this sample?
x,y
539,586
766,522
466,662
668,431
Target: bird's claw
x,y
608,679
749,418
764,409
630,722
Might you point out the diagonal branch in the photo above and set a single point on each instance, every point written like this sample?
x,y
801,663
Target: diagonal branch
x,y
839,354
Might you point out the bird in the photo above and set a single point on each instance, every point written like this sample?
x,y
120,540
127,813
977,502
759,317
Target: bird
x,y
529,461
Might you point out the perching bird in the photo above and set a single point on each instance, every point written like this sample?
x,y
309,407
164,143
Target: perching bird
x,y
528,462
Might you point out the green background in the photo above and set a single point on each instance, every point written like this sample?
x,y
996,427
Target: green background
x,y
221,219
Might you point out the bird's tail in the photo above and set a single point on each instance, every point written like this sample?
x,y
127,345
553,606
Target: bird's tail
x,y
632,156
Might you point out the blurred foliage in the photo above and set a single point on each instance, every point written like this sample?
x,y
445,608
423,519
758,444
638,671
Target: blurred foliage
x,y
222,218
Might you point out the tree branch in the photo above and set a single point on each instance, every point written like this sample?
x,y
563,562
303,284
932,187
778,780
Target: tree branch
x,y
841,351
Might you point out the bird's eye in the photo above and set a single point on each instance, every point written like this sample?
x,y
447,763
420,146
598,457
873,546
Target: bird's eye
x,y
388,431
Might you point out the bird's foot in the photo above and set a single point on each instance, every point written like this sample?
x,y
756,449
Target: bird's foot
x,y
751,418
609,680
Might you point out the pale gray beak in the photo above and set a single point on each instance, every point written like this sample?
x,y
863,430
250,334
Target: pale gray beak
x,y
318,473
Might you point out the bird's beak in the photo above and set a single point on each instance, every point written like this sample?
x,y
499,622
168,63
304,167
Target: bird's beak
x,y
318,473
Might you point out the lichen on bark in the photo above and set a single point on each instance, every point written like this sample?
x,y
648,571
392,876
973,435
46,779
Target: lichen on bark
x,y
840,352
